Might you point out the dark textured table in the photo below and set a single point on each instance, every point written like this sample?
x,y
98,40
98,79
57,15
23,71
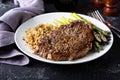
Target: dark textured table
x,y
106,67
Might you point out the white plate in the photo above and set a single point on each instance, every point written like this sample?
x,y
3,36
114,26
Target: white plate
x,y
47,18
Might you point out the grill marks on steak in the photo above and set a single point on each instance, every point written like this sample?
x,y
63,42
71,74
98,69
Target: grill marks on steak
x,y
67,42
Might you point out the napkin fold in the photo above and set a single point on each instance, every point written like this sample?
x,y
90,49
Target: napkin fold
x,y
9,22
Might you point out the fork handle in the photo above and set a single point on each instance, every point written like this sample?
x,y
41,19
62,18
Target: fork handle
x,y
118,34
111,26
113,29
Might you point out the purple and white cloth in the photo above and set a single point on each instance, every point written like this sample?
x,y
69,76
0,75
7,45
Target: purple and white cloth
x,y
9,22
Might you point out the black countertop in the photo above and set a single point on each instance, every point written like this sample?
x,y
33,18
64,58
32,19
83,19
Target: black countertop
x,y
106,67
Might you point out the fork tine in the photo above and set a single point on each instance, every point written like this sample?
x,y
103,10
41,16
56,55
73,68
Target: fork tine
x,y
95,16
99,15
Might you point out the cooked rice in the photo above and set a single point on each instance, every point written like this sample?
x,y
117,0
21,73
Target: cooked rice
x,y
33,35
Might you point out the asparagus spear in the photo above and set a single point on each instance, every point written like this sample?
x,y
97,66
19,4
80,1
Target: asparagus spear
x,y
76,16
59,23
105,33
97,36
65,20
98,45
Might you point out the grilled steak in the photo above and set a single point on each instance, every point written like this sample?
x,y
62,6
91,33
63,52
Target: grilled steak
x,y
68,42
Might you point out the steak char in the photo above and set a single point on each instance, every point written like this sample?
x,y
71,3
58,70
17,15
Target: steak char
x,y
68,42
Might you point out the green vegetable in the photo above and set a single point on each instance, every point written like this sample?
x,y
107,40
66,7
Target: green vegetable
x,y
98,45
97,36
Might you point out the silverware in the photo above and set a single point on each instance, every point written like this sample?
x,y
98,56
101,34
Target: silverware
x,y
96,14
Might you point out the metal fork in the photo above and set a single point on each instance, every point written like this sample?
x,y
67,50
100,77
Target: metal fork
x,y
96,14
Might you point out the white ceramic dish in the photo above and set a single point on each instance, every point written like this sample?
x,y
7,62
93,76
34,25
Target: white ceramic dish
x,y
47,18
